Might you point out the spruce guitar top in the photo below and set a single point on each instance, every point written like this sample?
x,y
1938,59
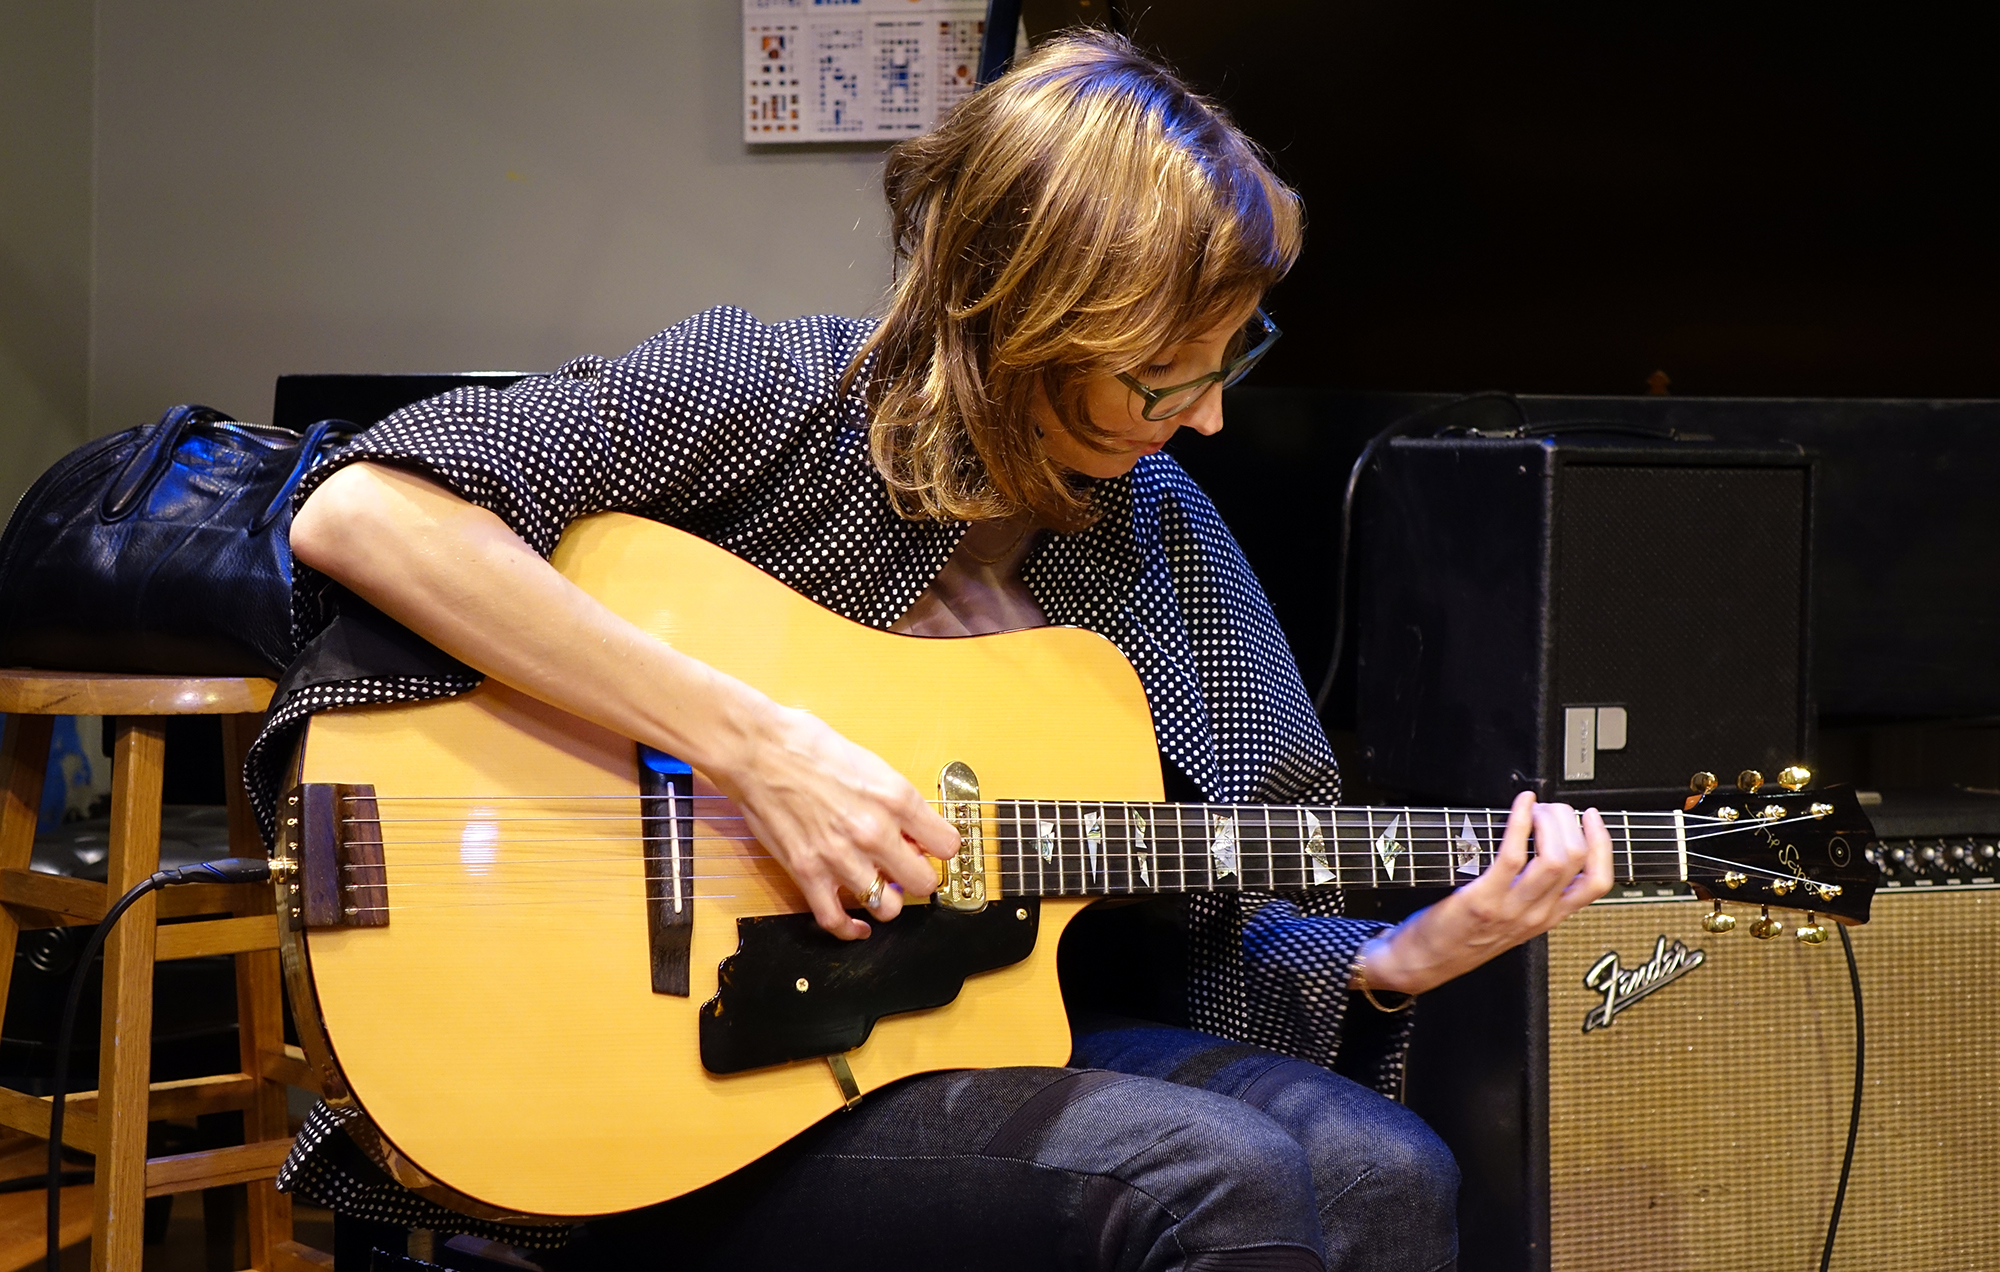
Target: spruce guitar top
x,y
560,979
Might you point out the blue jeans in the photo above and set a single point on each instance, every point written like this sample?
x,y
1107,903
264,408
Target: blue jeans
x,y
1163,1149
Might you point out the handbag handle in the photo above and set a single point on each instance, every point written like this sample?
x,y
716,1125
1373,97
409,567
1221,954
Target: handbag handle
x,y
150,462
309,449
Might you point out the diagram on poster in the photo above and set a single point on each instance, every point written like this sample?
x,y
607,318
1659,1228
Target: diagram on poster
x,y
855,70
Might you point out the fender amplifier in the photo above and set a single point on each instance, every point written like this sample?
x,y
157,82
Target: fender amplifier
x,y
1633,1094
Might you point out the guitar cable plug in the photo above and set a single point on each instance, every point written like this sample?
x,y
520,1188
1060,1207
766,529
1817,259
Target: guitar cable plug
x,y
222,870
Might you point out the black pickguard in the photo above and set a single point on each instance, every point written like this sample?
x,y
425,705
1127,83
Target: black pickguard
x,y
760,1017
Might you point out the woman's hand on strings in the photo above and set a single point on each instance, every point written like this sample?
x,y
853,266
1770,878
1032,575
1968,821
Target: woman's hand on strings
x,y
832,813
836,817
1515,900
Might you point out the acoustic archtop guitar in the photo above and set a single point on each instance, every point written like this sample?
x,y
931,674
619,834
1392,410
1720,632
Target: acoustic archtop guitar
x,y
560,979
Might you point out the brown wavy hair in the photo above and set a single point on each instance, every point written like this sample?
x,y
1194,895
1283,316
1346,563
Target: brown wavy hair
x,y
1070,220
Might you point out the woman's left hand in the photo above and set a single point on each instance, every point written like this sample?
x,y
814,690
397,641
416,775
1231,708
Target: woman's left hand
x,y
1515,900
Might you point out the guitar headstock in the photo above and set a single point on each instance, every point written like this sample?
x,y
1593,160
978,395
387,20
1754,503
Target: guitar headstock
x,y
1788,847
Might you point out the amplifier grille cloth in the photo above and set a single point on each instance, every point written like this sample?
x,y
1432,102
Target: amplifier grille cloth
x,y
1703,1129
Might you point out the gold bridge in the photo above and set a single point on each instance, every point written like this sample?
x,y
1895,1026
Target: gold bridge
x,y
964,885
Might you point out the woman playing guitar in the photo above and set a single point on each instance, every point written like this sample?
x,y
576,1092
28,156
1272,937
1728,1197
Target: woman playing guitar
x,y
1082,248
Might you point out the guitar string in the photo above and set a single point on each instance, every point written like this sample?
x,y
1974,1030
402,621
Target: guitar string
x,y
1670,842
485,866
1669,848
1656,821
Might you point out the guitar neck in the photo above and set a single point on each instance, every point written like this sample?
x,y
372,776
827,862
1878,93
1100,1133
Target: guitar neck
x,y
1068,848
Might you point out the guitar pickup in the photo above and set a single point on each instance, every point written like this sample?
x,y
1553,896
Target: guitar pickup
x,y
329,864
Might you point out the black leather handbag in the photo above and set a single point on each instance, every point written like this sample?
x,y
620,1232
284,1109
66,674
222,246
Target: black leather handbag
x,y
161,549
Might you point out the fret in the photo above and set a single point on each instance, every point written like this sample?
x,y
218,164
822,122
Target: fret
x,y
1493,834
1311,872
1221,870
1090,851
1047,850
1349,830
1447,851
1140,850
1069,840
1279,871
1073,835
1414,827
1117,865
1329,849
1004,844
1288,867
1111,873
1465,850
1374,865
1421,865
1419,845
1183,878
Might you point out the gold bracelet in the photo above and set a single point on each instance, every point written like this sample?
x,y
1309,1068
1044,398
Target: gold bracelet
x,y
1359,971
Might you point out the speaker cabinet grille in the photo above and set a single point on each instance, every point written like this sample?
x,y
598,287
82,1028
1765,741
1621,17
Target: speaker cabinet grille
x,y
1703,1127
1681,597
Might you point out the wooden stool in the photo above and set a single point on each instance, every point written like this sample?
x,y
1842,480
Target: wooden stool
x,y
111,1121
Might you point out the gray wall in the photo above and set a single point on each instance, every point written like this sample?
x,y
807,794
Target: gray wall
x,y
45,126
360,185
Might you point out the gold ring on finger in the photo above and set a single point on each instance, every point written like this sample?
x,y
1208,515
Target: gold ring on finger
x,y
874,897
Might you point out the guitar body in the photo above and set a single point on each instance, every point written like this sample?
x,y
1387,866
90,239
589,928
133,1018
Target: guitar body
x,y
501,1032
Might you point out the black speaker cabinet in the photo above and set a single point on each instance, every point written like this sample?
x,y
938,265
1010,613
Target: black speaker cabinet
x,y
1590,619
1699,1127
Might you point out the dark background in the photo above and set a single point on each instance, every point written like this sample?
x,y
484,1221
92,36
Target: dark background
x,y
1565,198
1724,202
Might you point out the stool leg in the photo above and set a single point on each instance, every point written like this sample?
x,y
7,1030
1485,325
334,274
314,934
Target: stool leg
x,y
24,759
124,1070
260,1027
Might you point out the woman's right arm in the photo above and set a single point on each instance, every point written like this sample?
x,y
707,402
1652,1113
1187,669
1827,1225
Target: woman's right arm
x,y
832,813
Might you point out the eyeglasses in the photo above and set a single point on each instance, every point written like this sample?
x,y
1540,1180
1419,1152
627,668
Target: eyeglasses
x,y
1248,345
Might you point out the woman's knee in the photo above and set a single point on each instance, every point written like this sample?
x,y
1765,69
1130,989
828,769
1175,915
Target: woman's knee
x,y
1223,1175
1418,1163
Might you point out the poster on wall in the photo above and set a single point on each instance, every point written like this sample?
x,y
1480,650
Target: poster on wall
x,y
855,70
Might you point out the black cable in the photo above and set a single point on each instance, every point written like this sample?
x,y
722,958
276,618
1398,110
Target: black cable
x,y
226,870
1854,1113
1409,424
1402,427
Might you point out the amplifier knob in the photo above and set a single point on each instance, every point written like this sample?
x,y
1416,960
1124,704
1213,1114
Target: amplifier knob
x,y
1987,852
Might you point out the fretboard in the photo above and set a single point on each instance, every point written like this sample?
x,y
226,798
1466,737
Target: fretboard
x,y
1067,848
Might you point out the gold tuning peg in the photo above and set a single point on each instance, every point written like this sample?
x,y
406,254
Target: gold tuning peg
x,y
1749,781
1795,778
1766,928
1812,932
1717,922
1702,783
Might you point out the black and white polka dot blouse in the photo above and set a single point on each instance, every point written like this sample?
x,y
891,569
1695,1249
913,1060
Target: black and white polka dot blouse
x,y
736,431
